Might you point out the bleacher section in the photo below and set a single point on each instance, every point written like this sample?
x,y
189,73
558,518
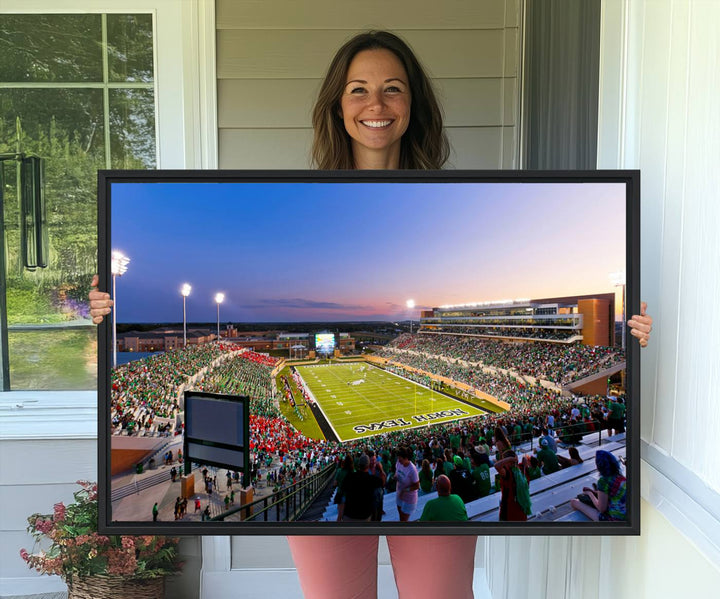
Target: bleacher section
x,y
550,494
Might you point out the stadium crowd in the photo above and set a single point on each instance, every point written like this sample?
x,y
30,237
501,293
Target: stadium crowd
x,y
500,386
554,334
245,373
461,450
560,364
146,389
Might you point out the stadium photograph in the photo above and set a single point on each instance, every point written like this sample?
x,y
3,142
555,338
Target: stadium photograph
x,y
404,352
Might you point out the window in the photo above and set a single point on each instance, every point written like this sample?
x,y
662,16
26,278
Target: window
x,y
78,91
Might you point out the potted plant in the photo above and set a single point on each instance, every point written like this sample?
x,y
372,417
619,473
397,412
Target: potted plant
x,y
95,566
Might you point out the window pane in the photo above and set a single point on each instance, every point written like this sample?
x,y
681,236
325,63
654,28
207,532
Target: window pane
x,y
130,47
65,128
51,344
50,118
50,48
56,359
132,128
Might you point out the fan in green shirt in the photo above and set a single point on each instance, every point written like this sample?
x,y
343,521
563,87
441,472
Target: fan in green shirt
x,y
426,477
617,409
547,458
481,476
455,440
447,507
449,464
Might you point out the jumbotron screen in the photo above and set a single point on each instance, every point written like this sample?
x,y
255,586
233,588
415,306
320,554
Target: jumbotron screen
x,y
457,333
325,343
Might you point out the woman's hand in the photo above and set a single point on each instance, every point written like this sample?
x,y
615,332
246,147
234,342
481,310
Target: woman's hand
x,y
100,302
641,325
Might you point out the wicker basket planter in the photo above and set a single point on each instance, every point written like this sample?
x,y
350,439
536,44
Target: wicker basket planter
x,y
116,587
67,544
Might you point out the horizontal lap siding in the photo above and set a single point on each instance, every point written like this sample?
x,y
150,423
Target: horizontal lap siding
x,y
36,474
347,14
306,54
272,56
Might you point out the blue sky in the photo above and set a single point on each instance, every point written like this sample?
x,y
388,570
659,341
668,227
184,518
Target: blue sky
x,y
358,251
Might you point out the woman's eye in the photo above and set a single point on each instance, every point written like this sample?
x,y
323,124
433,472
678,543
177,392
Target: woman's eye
x,y
393,89
357,90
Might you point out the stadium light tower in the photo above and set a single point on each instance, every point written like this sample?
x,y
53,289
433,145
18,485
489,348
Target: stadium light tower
x,y
185,291
410,304
118,267
618,280
219,297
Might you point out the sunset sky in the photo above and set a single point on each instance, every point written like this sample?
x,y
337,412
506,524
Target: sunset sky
x,y
288,252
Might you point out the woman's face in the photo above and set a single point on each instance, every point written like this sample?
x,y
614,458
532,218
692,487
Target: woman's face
x,y
375,105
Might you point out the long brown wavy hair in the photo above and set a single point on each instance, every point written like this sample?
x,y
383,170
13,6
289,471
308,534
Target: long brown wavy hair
x,y
424,144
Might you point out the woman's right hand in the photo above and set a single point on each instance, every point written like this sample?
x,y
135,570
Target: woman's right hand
x,y
100,302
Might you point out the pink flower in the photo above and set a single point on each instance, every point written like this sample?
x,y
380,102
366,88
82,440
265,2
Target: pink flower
x,y
89,488
128,542
43,526
121,562
147,539
59,512
53,565
24,555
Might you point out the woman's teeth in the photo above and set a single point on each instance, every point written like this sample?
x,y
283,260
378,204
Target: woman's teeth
x,y
376,124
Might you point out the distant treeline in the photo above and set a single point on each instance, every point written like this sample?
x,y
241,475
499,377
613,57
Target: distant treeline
x,y
375,327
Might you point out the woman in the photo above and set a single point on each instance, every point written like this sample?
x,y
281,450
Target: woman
x,y
407,485
426,477
377,110
363,119
608,498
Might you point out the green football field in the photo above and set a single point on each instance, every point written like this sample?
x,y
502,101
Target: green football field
x,y
382,402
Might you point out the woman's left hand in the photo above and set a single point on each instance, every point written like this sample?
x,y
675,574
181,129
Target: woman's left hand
x,y
641,325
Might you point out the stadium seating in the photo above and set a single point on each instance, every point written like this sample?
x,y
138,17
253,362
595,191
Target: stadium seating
x,y
549,493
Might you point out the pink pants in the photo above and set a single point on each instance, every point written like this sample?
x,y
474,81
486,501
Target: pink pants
x,y
345,567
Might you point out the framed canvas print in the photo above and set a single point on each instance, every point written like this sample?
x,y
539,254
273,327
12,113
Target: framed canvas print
x,y
361,352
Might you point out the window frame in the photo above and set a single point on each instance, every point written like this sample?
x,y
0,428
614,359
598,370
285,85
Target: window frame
x,y
186,137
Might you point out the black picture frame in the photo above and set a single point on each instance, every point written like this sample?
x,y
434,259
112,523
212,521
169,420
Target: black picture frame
x,y
629,178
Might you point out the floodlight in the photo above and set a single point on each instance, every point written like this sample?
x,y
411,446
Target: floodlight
x,y
219,297
118,267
